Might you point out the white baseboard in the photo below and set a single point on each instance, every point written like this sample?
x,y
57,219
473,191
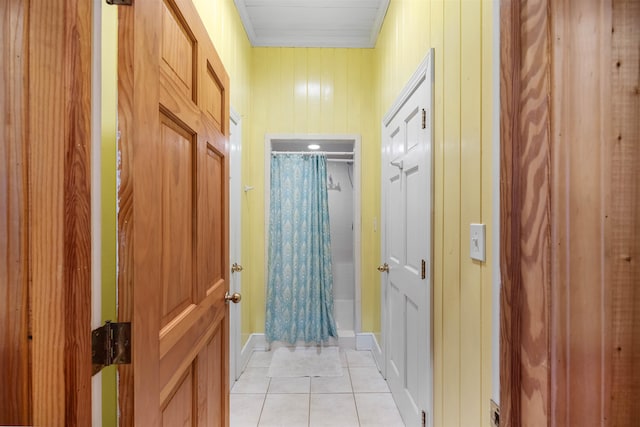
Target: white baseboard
x,y
368,341
376,351
256,342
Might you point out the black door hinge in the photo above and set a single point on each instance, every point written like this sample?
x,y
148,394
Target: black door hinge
x,y
110,345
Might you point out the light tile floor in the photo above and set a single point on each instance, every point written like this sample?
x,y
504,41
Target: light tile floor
x,y
359,398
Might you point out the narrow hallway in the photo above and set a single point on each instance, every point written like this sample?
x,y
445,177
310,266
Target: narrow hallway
x,y
360,397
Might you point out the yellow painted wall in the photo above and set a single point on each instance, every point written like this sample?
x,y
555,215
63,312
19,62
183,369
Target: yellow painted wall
x,y
461,33
109,56
312,91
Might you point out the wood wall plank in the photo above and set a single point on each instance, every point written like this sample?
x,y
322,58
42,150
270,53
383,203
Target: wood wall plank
x,y
490,137
524,212
581,104
15,381
436,36
60,230
300,91
623,246
314,73
509,217
470,211
452,287
327,57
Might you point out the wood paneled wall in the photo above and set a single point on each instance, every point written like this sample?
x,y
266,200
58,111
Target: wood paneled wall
x,y
569,212
327,91
45,213
461,32
580,144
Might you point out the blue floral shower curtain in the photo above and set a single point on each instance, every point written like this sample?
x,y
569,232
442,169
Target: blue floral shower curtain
x,y
300,286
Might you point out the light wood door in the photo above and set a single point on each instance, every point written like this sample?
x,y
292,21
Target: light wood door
x,y
173,217
408,194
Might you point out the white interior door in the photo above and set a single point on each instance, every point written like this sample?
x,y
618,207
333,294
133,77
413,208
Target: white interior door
x,y
235,237
407,205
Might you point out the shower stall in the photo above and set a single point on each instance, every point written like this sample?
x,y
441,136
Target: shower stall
x,y
343,193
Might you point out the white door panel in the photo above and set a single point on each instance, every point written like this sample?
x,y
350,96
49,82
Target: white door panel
x,y
407,206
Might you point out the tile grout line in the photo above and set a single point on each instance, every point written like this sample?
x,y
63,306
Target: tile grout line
x,y
309,411
353,392
264,401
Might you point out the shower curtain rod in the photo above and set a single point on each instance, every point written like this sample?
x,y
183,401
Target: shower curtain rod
x,y
340,160
328,153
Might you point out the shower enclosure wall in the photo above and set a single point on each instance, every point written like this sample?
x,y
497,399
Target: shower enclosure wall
x,y
340,194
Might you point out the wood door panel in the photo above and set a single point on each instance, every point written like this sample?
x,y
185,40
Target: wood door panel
x,y
208,397
412,325
412,124
395,324
396,252
211,391
212,218
176,181
213,98
178,51
415,244
186,339
178,410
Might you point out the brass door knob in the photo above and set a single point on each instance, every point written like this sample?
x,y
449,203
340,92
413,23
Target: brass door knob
x,y
234,298
384,268
236,267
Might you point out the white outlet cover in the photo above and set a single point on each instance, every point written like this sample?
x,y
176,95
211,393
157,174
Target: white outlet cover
x,y
477,242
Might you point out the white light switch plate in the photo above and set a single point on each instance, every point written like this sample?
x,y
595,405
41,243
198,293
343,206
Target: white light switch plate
x,y
476,244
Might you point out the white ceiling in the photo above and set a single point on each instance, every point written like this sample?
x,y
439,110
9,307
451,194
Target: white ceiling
x,y
312,23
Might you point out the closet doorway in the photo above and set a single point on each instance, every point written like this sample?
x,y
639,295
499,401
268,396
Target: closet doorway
x,y
343,185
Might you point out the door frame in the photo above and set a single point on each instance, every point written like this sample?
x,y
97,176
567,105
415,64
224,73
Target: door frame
x,y
421,74
235,244
357,204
